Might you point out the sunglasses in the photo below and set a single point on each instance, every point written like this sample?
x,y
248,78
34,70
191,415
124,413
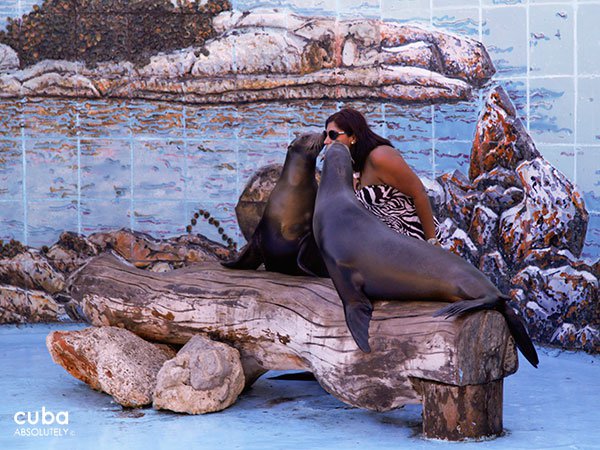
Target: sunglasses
x,y
333,135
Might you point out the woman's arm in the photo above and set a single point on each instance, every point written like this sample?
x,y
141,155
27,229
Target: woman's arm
x,y
389,166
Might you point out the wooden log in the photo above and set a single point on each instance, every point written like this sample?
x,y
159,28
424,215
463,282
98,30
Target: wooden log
x,y
281,322
461,412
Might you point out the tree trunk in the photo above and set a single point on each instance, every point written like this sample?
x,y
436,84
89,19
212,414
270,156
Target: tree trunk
x,y
282,322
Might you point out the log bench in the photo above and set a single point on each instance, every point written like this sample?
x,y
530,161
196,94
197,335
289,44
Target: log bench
x,y
454,367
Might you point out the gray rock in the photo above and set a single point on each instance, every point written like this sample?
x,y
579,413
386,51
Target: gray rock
x,y
112,360
25,306
205,376
552,213
31,270
9,60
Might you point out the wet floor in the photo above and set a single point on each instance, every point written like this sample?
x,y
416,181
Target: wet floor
x,y
553,407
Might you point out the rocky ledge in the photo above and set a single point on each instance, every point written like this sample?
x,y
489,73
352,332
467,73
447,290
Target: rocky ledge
x,y
285,56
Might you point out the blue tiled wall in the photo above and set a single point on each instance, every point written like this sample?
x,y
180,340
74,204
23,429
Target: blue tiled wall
x,y
91,166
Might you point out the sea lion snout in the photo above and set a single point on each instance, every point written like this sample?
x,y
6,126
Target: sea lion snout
x,y
310,143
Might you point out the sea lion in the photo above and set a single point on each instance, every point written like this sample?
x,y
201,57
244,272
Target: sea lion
x,y
285,229
367,261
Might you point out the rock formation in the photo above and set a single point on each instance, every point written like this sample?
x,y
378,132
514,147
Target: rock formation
x,y
285,56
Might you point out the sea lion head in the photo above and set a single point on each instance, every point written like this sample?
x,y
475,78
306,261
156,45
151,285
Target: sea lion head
x,y
309,145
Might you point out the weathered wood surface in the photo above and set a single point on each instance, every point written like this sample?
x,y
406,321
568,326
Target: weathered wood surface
x,y
281,322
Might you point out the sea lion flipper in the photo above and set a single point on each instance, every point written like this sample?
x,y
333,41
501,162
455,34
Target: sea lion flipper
x,y
357,307
518,330
249,258
463,306
309,257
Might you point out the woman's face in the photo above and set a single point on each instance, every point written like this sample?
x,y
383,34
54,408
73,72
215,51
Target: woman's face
x,y
332,131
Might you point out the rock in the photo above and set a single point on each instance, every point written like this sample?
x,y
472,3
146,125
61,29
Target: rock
x,y
112,360
553,296
71,252
569,336
493,265
499,199
484,228
205,376
31,270
458,242
9,60
252,202
284,57
549,257
142,249
436,194
552,213
29,306
460,198
501,140
498,176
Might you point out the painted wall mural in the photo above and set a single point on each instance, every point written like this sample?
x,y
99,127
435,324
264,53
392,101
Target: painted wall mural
x,y
132,116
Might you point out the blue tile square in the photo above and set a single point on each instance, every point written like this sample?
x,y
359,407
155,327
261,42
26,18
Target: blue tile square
x,y
414,11
211,122
223,212
11,221
516,89
437,4
105,215
46,220
505,37
359,9
51,171
212,170
11,170
457,121
588,110
464,21
11,117
561,157
158,169
156,119
502,2
451,156
419,156
588,175
551,33
309,116
407,123
591,248
54,117
160,219
268,121
104,118
105,168
253,155
588,39
551,110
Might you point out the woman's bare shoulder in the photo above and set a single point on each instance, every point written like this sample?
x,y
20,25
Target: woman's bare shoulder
x,y
382,154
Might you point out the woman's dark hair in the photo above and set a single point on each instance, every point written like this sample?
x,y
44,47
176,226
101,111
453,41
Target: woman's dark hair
x,y
353,123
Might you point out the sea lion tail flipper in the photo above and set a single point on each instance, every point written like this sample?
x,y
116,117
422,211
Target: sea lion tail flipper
x,y
357,307
463,306
309,257
518,330
249,258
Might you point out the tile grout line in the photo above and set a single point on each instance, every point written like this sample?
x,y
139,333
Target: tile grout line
x,y
527,70
576,89
24,185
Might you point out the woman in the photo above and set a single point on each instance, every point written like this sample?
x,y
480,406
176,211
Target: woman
x,y
384,183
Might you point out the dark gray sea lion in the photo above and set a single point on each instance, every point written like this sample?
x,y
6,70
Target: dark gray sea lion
x,y
369,261
285,229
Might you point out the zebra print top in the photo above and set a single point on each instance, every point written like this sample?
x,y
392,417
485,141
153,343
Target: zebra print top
x,y
395,209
